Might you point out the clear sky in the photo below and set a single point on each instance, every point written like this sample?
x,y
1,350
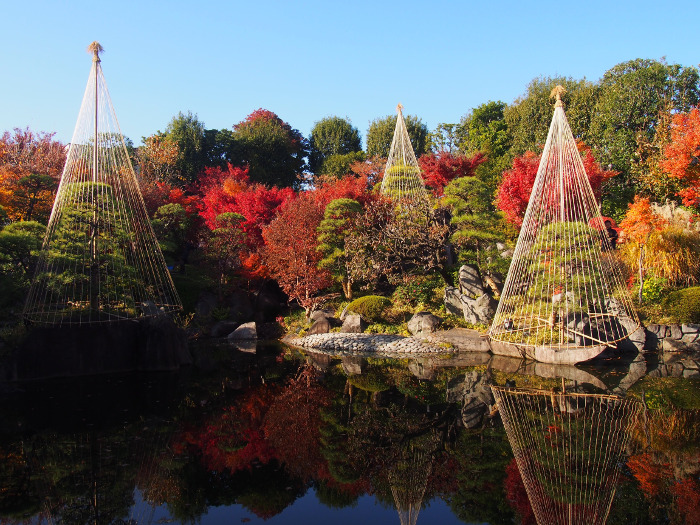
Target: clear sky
x,y
306,60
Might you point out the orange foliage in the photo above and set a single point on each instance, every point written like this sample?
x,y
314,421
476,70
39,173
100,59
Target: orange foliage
x,y
30,168
641,221
651,475
683,155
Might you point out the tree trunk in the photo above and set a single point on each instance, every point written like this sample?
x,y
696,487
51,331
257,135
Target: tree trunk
x,y
347,288
641,272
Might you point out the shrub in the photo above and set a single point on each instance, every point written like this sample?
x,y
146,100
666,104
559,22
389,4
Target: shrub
x,y
371,307
418,290
683,306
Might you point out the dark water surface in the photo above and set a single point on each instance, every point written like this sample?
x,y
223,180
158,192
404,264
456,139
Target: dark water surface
x,y
279,437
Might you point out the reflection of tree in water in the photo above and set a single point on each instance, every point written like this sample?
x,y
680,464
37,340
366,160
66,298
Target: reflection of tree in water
x,y
568,448
87,478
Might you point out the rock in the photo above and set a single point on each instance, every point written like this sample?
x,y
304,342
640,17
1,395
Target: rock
x,y
245,331
676,332
672,345
423,323
206,303
353,366
325,313
690,328
462,339
248,346
353,324
223,328
453,301
479,310
320,326
657,329
470,281
422,369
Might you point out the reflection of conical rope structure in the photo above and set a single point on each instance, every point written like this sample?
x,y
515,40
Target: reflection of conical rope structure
x,y
100,259
89,478
402,181
565,299
408,477
568,448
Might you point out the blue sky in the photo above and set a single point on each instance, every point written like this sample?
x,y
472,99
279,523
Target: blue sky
x,y
306,60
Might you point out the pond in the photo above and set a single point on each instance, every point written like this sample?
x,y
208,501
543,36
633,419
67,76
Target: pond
x,y
278,436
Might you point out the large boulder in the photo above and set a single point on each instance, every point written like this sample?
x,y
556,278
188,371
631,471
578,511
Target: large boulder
x,y
480,310
223,328
470,282
453,301
353,324
245,331
320,325
423,323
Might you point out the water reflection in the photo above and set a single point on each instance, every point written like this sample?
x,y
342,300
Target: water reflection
x,y
252,435
568,448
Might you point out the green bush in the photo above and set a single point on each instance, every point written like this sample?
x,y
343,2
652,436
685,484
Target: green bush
x,y
371,307
683,306
419,290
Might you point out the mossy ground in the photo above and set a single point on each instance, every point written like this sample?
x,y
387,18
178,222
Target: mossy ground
x,y
668,392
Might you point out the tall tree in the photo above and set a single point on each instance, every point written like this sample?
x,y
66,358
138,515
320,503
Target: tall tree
x,y
338,219
528,118
157,160
632,97
187,131
381,132
330,137
291,255
273,151
484,129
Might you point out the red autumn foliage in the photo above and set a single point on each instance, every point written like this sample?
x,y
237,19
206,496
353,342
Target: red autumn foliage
x,y
290,251
230,190
687,493
683,155
514,192
232,439
650,473
516,494
292,425
438,169
348,187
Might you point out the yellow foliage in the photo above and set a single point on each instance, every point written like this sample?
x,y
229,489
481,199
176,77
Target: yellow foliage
x,y
672,254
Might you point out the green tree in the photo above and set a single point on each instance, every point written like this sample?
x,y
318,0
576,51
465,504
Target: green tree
x,y
20,243
484,129
340,165
381,133
475,222
528,119
170,224
273,151
188,132
331,136
634,95
445,138
337,220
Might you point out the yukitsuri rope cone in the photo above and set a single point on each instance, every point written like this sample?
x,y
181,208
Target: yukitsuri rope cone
x,y
564,300
568,448
402,181
100,259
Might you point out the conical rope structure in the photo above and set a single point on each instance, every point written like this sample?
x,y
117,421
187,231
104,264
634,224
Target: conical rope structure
x,y
564,299
402,180
100,259
568,448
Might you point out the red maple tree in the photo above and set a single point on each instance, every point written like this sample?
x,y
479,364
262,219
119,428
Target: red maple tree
x,y
290,251
515,190
438,169
682,155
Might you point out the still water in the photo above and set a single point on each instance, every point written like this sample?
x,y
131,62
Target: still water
x,y
276,436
